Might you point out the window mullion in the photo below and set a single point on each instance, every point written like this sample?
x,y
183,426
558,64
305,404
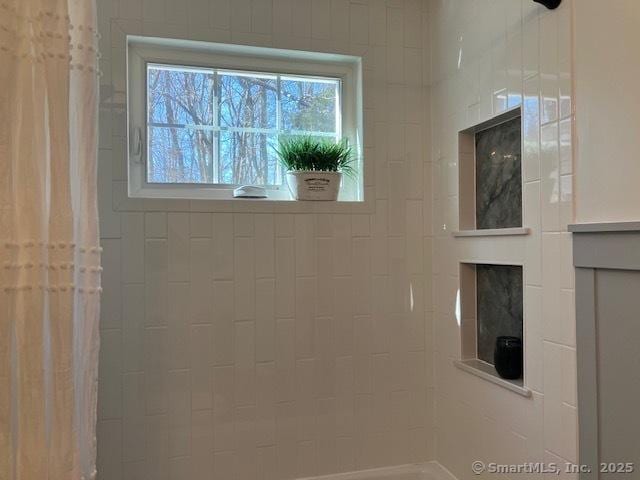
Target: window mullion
x,y
278,179
216,132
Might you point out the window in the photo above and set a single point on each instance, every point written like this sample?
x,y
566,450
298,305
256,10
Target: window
x,y
205,118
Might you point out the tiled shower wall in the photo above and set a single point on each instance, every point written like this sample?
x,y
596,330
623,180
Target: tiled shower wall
x,y
489,56
279,341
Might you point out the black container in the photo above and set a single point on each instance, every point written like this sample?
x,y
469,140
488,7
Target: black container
x,y
507,357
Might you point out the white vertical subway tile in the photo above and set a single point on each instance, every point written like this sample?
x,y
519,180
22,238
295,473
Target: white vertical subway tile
x,y
359,23
325,358
344,396
262,17
133,255
566,150
324,282
201,349
285,440
179,326
325,440
224,464
285,277
246,455
223,318
340,21
531,130
202,459
550,178
285,359
412,24
395,27
321,15
532,219
415,156
243,224
362,284
155,225
179,413
223,255
178,236
244,363
244,276
266,395
341,245
241,16
200,277
362,348
565,108
301,18
397,199
133,320
343,315
285,226
381,393
531,45
549,67
514,69
221,14
156,282
306,458
109,459
304,398
533,335
378,22
264,245
110,371
305,317
265,320
133,417
282,10
109,219
304,245
551,265
200,224
155,369
223,409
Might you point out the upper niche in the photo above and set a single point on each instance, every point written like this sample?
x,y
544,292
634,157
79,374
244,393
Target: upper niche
x,y
499,176
490,174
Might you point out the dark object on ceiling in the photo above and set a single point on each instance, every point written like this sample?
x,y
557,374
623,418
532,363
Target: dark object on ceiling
x,y
550,4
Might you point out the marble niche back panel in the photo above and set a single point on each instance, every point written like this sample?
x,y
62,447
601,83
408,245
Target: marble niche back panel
x,y
499,176
499,306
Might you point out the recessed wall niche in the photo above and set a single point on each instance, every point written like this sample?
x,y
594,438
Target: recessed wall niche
x,y
491,306
490,174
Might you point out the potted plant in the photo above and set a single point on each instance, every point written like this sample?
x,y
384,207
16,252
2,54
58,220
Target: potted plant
x,y
314,168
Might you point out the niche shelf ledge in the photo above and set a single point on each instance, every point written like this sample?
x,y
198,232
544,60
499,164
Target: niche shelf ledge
x,y
492,232
487,372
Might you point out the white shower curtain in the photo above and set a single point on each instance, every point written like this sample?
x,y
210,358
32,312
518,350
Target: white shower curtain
x,y
49,254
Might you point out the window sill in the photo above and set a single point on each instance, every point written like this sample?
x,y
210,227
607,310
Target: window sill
x,y
493,232
123,202
487,372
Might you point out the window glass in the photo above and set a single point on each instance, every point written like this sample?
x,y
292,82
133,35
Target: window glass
x,y
222,127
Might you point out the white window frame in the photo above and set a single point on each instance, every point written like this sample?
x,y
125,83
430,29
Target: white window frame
x,y
145,50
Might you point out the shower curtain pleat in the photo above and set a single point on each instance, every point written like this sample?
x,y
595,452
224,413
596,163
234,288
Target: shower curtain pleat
x,y
49,252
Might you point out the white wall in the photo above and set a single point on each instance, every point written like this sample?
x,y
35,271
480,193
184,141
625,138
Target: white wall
x,y
275,342
488,56
607,110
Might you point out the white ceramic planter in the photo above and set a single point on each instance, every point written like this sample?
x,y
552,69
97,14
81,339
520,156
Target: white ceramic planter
x,y
312,185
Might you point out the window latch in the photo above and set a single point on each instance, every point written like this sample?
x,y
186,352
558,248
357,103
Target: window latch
x,y
136,145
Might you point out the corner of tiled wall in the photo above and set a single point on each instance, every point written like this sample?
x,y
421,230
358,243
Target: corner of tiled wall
x,y
489,57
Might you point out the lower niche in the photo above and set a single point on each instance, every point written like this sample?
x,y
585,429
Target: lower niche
x,y
492,306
